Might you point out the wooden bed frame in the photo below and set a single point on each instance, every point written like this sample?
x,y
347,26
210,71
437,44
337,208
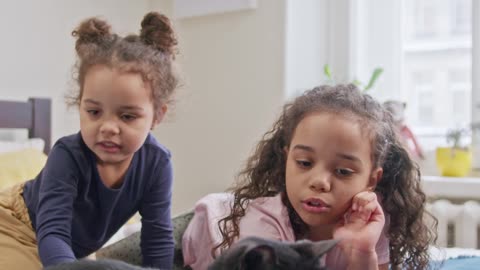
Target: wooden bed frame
x,y
34,115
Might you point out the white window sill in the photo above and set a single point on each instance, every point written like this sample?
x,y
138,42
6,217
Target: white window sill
x,y
452,187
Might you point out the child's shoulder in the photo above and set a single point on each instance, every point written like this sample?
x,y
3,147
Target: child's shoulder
x,y
71,140
215,202
153,146
218,204
271,207
72,144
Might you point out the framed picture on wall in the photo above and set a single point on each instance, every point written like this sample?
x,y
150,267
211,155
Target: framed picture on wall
x,y
194,8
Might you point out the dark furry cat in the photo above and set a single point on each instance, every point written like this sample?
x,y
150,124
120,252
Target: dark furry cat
x,y
251,253
255,253
103,264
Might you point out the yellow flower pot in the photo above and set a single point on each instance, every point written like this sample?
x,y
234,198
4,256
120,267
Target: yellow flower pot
x,y
454,161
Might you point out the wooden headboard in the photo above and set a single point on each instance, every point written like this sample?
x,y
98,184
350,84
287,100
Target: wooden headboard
x,y
34,115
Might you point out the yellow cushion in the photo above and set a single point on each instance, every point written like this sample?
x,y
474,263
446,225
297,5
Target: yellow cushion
x,y
19,166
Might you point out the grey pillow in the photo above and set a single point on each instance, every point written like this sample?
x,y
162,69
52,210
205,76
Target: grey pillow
x,y
128,249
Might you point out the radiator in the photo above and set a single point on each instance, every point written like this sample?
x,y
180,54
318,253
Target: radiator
x,y
458,224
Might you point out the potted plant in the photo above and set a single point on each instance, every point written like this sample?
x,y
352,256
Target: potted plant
x,y
365,87
455,160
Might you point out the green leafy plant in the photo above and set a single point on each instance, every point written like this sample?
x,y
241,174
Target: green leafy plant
x,y
454,137
365,87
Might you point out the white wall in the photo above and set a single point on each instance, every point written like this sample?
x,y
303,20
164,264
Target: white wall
x,y
306,45
233,66
37,50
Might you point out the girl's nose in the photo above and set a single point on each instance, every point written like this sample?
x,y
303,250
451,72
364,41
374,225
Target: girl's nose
x,y
320,182
109,128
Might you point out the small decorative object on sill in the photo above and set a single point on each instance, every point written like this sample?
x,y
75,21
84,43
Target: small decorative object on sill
x,y
456,160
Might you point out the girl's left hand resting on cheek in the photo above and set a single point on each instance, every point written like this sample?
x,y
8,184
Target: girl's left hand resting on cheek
x,y
362,225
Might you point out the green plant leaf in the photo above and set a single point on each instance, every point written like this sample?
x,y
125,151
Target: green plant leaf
x,y
376,73
327,71
357,82
454,136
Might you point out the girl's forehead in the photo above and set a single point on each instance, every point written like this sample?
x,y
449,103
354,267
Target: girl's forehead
x,y
325,122
346,116
331,117
108,84
326,131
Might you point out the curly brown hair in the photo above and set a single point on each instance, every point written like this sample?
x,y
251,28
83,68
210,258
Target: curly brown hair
x,y
403,199
150,54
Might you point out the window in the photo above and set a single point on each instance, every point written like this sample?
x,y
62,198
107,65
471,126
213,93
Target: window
x,y
427,48
461,18
437,59
460,90
424,17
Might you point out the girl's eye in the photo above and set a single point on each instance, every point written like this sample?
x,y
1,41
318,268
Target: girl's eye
x,y
304,163
128,117
343,172
93,112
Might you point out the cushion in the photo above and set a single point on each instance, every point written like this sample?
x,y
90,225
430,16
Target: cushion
x,y
19,166
128,249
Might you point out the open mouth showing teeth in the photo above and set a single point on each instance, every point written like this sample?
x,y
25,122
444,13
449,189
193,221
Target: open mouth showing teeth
x,y
314,203
315,206
109,144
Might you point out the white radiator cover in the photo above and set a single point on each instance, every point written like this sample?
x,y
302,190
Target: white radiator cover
x,y
465,219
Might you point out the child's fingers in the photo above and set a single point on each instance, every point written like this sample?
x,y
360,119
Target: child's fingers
x,y
364,212
363,198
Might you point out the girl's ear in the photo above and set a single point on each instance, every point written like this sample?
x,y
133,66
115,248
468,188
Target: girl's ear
x,y
159,115
375,177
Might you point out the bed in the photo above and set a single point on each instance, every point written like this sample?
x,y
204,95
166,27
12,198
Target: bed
x,y
33,115
22,159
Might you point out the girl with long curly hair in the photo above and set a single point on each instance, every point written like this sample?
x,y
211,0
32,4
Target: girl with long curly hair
x,y
332,166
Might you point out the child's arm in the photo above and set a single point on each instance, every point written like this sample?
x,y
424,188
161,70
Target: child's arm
x,y
360,231
57,192
266,218
157,233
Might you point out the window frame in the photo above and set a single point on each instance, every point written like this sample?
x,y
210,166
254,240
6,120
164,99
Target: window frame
x,y
393,79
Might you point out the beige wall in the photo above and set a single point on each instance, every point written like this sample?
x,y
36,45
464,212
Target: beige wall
x,y
233,68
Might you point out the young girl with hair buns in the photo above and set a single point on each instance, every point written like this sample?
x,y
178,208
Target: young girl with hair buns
x,y
94,181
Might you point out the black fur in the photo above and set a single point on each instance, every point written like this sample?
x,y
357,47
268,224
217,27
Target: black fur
x,y
255,253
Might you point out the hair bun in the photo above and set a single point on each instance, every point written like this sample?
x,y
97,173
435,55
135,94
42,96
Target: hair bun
x,y
92,30
157,31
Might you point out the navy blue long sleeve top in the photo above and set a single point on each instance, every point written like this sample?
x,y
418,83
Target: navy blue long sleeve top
x,y
73,213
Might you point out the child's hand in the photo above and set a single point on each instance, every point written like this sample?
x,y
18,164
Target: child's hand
x,y
362,225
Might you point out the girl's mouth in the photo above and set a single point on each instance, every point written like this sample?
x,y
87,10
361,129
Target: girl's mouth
x,y
315,205
109,147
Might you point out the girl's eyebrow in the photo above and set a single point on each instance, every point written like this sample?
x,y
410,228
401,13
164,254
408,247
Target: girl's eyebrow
x,y
91,101
132,108
304,147
340,155
349,157
126,107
